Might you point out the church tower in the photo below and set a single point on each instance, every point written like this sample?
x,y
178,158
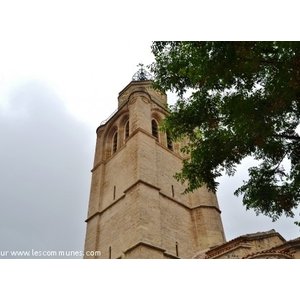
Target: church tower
x,y
136,207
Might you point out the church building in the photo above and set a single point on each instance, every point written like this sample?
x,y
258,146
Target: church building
x,y
136,207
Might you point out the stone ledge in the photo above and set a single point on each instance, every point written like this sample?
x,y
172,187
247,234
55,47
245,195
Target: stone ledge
x,y
143,244
171,255
187,207
103,210
123,196
142,182
161,193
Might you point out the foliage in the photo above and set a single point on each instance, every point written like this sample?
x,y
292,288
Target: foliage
x,y
244,101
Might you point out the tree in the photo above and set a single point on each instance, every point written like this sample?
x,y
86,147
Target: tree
x,y
244,101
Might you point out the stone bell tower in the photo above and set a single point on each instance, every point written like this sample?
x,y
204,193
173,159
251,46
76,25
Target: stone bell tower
x,y
136,207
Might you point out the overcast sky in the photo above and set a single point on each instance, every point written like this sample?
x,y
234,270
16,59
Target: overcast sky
x,y
60,75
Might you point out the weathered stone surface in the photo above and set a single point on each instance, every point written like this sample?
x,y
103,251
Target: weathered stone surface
x,y
136,207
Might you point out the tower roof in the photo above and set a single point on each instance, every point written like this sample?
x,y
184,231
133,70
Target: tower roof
x,y
142,74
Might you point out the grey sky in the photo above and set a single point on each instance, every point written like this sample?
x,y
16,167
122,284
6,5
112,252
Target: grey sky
x,y
46,155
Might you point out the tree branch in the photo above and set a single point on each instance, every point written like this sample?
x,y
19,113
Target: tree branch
x,y
289,137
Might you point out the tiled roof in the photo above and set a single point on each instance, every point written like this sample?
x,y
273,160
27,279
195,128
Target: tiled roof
x,y
242,240
269,252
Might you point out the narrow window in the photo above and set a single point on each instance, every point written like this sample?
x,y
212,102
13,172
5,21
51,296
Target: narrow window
x,y
169,143
176,246
154,129
114,192
115,142
173,191
126,130
109,252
